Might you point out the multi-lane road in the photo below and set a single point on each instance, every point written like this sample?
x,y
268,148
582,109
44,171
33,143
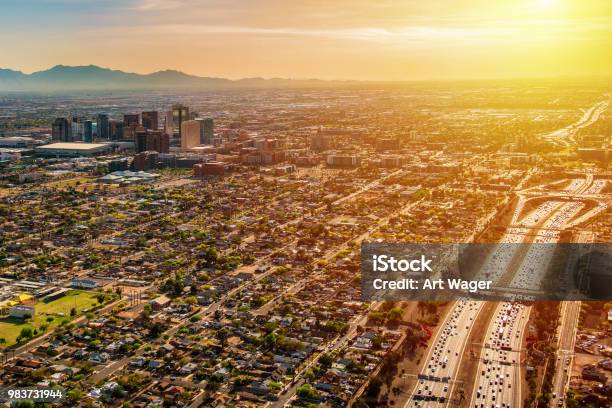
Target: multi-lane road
x,y
566,338
498,376
565,135
498,382
435,384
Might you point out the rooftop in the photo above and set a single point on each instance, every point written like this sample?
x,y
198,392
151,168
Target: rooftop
x,y
73,146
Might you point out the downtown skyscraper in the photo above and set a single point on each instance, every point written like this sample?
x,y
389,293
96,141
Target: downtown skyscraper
x,y
103,126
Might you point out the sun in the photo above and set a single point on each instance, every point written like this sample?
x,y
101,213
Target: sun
x,y
545,4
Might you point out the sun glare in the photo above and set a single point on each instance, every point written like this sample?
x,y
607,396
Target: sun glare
x,y
545,4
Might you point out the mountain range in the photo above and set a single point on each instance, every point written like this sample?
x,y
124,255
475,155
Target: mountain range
x,y
92,77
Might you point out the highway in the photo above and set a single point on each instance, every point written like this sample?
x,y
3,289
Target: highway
x,y
444,356
566,336
437,379
506,330
565,135
435,384
558,215
498,381
498,374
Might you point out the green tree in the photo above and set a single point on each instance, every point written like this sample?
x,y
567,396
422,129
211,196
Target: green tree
x,y
74,395
306,391
26,333
24,404
270,339
326,360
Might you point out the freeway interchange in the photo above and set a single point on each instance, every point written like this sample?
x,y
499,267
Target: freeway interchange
x,y
498,376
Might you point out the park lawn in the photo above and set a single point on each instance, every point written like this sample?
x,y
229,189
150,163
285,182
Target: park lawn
x,y
79,182
59,309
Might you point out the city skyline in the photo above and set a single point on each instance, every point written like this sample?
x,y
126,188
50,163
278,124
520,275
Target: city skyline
x,y
385,41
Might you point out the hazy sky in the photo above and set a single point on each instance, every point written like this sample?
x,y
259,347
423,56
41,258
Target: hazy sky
x,y
343,39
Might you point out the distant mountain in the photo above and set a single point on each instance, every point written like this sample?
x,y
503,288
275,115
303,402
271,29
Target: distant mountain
x,y
10,78
92,77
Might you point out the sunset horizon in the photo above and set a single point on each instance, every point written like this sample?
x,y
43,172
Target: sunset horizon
x,y
386,41
534,77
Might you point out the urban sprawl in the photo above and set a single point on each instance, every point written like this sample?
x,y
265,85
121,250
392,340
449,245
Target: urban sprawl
x,y
203,249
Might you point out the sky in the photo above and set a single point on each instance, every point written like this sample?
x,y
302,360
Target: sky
x,y
389,40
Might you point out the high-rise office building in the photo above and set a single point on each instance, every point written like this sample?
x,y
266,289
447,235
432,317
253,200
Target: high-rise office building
x,y
141,140
60,130
207,130
145,161
88,131
129,132
130,124
152,140
116,129
164,142
177,115
103,126
130,119
190,134
150,120
320,141
77,128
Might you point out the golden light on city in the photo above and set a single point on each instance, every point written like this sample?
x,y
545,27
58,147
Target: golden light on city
x,y
387,40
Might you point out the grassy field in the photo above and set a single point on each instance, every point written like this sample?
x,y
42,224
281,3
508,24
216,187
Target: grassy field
x,y
78,183
51,314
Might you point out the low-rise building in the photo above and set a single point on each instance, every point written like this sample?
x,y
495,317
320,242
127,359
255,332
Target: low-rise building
x,y
22,311
160,302
335,160
80,283
209,169
72,149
